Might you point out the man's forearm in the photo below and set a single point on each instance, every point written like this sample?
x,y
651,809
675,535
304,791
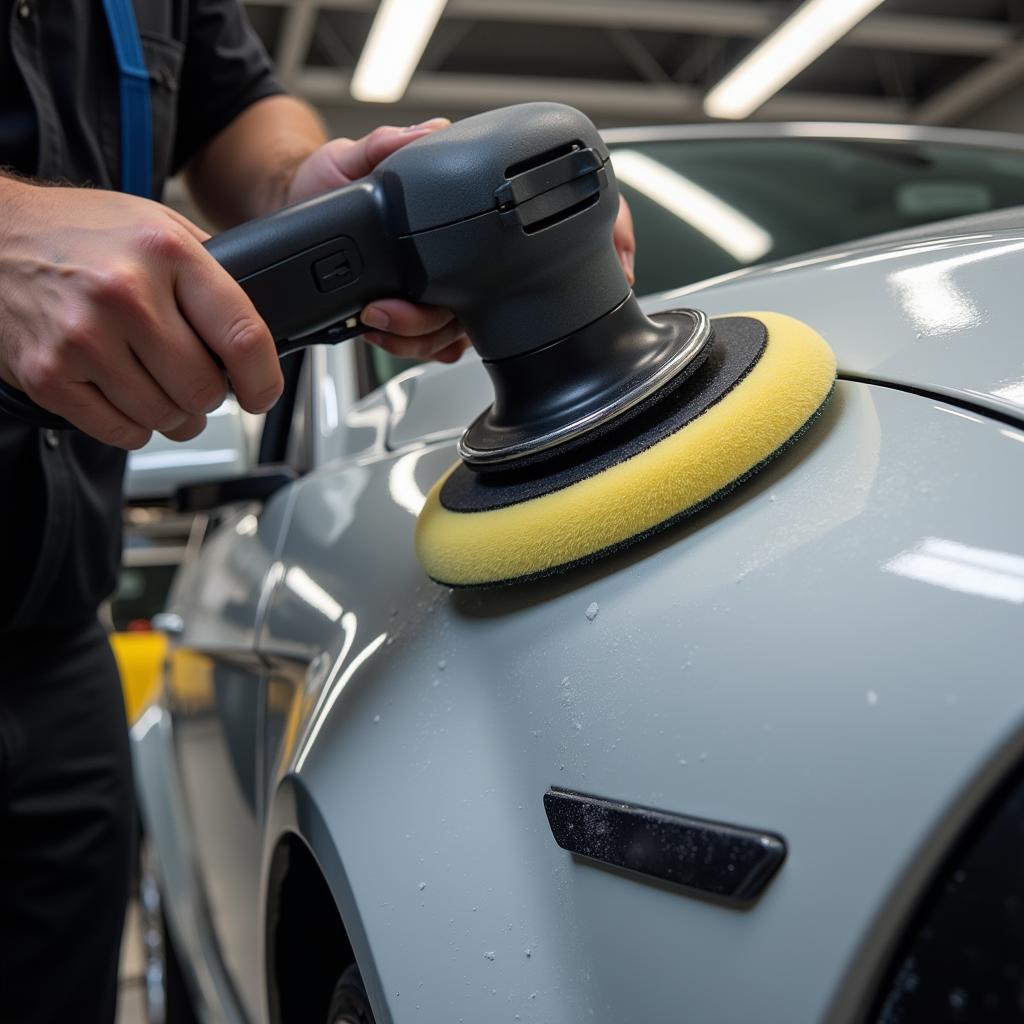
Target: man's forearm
x,y
246,169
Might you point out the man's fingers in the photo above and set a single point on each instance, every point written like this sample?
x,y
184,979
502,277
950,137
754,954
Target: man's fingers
x,y
342,161
129,387
380,144
415,332
624,240
182,364
192,427
452,353
84,406
356,159
396,316
193,229
426,346
222,315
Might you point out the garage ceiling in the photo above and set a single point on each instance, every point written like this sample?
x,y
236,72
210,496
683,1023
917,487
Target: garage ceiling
x,y
633,61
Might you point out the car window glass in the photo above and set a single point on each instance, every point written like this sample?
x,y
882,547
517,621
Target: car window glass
x,y
703,207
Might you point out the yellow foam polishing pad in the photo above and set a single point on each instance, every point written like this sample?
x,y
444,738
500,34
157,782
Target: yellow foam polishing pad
x,y
633,489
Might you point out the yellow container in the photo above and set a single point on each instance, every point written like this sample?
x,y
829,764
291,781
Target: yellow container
x,y
140,660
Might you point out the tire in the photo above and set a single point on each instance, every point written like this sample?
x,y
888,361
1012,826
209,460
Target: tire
x,y
349,1004
177,1001
166,994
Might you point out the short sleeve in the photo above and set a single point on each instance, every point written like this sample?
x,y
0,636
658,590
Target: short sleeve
x,y
225,70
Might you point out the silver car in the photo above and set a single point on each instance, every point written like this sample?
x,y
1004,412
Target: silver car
x,y
352,784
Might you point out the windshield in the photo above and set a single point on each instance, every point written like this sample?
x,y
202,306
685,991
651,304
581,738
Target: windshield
x,y
703,207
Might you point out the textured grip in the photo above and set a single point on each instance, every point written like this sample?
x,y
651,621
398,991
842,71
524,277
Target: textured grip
x,y
308,269
311,267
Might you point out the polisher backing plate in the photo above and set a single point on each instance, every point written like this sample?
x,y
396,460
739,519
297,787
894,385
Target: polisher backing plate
x,y
766,378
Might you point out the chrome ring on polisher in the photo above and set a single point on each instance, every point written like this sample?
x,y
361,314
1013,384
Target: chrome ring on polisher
x,y
689,348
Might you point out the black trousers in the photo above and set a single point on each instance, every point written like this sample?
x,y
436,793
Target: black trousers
x,y
66,826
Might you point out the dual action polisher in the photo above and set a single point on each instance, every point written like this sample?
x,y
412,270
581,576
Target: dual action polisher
x,y
607,424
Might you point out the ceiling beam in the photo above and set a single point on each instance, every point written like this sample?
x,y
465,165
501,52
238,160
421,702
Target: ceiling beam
x,y
978,87
466,93
293,42
961,37
740,18
637,56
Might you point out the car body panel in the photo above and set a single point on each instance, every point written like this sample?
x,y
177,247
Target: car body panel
x,y
344,426
828,623
425,393
164,818
219,596
934,312
212,711
830,653
878,132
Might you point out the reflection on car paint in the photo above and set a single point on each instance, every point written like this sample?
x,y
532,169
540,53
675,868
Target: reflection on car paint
x,y
934,302
307,589
962,567
332,692
189,681
1013,392
402,482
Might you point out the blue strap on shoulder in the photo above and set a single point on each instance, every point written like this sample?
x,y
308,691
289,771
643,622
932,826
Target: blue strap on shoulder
x,y
136,127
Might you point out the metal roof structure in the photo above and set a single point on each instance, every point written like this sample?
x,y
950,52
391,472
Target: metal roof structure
x,y
652,61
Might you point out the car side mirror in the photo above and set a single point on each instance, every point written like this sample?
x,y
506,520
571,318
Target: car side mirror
x,y
256,485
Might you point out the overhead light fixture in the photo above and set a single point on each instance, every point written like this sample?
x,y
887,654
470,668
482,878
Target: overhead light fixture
x,y
723,224
799,40
397,39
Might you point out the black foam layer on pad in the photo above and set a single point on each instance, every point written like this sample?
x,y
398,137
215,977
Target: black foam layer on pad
x,y
736,347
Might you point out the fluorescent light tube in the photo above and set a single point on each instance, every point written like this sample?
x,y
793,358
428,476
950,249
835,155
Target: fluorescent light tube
x,y
729,229
397,39
799,40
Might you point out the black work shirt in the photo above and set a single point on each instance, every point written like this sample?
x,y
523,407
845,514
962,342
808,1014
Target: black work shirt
x,y
60,491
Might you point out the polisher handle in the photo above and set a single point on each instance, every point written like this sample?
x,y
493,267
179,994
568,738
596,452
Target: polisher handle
x,y
308,268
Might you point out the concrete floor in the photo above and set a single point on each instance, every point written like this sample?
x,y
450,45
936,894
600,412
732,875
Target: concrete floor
x,y
131,1007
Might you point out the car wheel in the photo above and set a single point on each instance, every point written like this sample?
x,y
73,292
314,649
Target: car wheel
x,y
167,997
349,1004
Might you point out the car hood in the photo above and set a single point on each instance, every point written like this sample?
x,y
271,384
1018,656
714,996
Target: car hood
x,y
936,310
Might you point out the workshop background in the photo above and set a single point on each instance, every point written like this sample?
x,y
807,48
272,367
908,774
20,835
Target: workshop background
x,y
628,62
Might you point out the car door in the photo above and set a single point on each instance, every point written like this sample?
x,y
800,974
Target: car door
x,y
216,693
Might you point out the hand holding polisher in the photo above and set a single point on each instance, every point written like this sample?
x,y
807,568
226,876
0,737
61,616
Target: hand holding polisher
x,y
607,424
